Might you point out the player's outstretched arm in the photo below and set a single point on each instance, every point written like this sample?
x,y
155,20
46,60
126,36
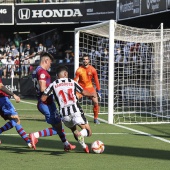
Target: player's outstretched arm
x,y
17,98
8,92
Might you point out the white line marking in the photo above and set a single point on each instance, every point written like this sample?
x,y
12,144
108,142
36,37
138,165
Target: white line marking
x,y
27,109
134,130
28,102
72,134
124,127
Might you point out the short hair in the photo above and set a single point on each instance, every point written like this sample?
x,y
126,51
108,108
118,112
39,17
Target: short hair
x,y
45,54
59,69
86,55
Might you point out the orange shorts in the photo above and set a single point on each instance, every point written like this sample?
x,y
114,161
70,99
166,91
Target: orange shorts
x,y
91,90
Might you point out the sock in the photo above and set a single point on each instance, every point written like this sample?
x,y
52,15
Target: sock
x,y
50,132
96,111
22,133
62,136
66,143
84,132
6,127
83,145
45,132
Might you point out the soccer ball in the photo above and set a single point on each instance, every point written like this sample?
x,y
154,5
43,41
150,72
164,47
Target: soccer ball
x,y
97,146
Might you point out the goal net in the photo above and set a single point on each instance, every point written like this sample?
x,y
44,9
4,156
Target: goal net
x,y
133,70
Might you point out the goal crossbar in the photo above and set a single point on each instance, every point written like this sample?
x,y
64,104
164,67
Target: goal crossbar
x,y
135,83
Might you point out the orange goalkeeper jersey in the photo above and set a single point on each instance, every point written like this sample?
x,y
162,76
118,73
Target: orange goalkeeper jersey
x,y
85,75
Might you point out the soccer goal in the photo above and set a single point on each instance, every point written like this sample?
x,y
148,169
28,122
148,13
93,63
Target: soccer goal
x,y
133,66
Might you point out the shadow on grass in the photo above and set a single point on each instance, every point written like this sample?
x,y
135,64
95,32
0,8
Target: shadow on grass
x,y
55,147
17,145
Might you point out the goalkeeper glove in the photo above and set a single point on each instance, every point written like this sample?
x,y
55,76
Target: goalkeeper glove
x,y
99,94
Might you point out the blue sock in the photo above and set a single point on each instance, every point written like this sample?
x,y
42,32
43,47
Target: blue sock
x,y
62,136
6,127
47,132
22,133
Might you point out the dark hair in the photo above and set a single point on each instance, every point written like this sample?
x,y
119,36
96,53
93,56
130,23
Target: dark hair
x,y
60,69
45,54
86,55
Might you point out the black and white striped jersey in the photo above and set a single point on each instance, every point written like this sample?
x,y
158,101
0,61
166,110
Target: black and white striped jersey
x,y
64,90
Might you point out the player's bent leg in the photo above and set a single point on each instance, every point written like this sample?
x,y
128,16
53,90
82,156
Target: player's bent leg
x,y
67,146
73,129
6,127
42,133
15,118
88,129
61,133
95,110
21,131
80,136
15,122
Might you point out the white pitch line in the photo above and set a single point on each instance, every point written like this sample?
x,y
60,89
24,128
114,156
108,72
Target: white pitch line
x,y
124,127
134,130
28,102
72,134
27,109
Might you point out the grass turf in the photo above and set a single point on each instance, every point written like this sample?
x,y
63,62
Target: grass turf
x,y
124,149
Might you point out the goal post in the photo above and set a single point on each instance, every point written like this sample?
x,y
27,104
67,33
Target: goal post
x,y
109,32
133,70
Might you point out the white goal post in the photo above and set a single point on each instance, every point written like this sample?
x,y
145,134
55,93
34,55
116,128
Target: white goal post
x,y
133,69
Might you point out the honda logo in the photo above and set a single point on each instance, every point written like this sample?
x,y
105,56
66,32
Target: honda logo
x,y
24,13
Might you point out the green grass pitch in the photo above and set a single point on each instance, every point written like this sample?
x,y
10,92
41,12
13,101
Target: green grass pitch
x,y
127,147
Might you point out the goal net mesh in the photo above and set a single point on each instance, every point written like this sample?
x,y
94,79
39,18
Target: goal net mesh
x,y
141,71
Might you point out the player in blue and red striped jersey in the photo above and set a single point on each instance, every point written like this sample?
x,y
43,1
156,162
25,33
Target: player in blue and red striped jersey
x,y
42,80
8,112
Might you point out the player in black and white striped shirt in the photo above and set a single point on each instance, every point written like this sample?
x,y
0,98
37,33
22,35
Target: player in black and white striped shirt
x,y
64,90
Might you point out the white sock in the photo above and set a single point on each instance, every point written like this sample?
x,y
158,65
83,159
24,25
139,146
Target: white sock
x,y
84,132
83,145
66,143
36,134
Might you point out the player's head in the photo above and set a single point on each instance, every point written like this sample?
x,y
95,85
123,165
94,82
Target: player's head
x,y
62,72
45,60
86,60
46,55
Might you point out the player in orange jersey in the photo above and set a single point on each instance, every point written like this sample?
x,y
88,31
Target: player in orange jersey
x,y
84,75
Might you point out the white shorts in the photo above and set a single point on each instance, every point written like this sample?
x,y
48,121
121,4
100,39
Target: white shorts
x,y
77,118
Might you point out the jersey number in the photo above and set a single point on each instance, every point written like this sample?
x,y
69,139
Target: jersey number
x,y
67,97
